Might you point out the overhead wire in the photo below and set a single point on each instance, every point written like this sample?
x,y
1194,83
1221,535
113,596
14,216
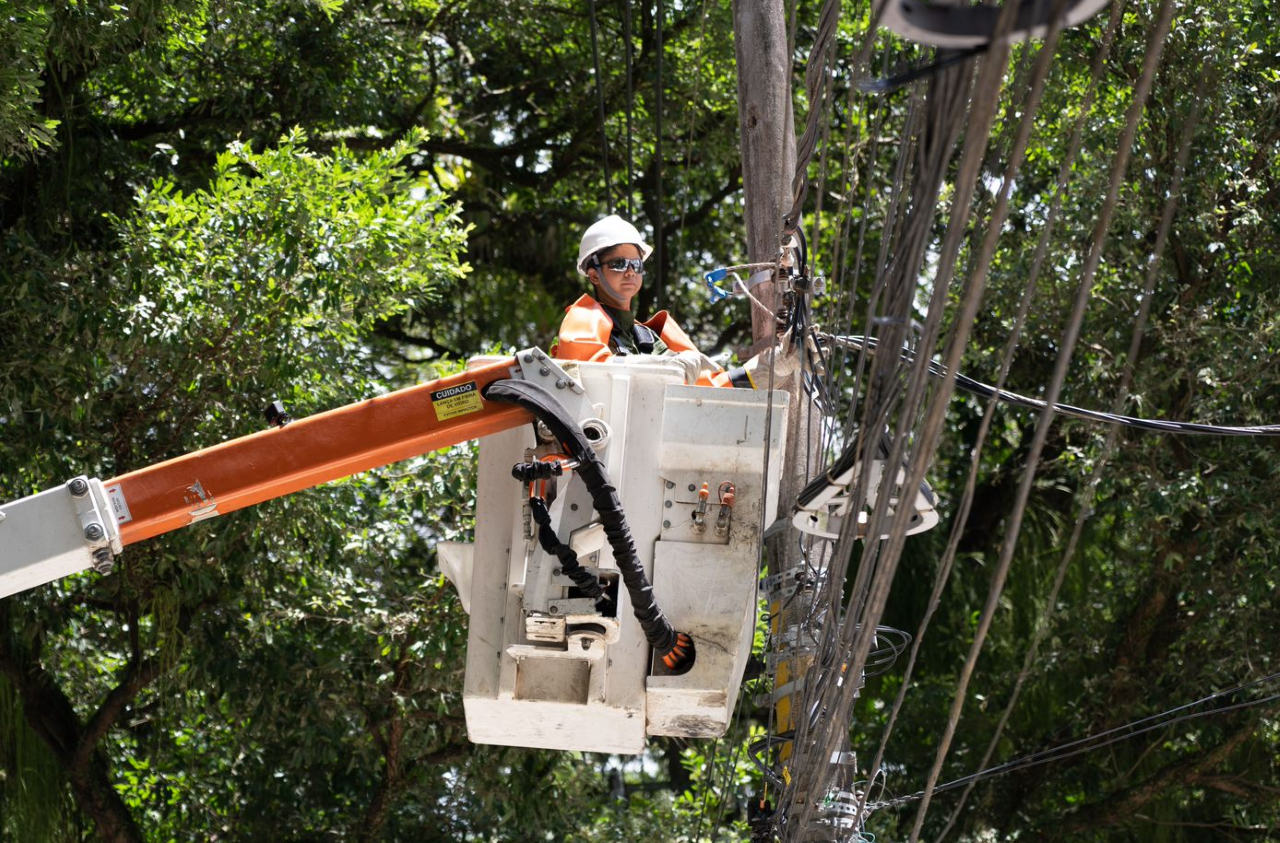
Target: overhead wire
x,y
658,202
604,135
966,500
879,559
836,294
870,592
873,530
694,100
862,610
815,73
1151,61
985,390
1066,167
800,316
865,596
891,223
827,90
1085,506
1114,735
630,49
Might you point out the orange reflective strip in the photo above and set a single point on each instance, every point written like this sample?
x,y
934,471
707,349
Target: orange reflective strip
x,y
311,451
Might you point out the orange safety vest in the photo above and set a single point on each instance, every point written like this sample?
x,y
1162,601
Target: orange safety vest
x,y
585,331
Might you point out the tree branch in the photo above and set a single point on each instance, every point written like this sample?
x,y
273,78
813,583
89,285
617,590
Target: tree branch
x,y
137,677
1123,804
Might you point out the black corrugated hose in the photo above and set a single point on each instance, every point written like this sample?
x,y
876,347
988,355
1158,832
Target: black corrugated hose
x,y
676,648
569,563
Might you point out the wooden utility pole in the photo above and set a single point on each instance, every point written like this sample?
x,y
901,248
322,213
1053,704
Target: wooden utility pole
x,y
768,137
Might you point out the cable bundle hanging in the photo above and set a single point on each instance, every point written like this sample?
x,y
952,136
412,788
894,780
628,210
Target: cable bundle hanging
x,y
852,639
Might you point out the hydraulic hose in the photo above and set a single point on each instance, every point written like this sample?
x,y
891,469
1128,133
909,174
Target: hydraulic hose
x,y
676,648
569,563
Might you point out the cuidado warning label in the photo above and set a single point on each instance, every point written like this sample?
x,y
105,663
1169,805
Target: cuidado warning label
x,y
456,401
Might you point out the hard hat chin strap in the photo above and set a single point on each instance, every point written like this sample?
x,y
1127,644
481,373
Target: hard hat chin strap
x,y
600,279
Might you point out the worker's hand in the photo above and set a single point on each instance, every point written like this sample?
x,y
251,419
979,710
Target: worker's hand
x,y
782,358
694,363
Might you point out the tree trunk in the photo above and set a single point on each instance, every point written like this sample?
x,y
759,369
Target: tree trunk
x,y
52,717
768,166
768,137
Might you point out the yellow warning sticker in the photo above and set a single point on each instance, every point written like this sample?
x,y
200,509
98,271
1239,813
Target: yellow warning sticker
x,y
456,401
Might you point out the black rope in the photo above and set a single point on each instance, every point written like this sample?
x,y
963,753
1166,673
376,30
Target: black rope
x,y
604,135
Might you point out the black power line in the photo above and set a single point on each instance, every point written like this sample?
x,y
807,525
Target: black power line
x,y
1092,742
987,391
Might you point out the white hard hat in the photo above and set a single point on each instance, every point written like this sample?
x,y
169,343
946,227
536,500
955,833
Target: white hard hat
x,y
613,230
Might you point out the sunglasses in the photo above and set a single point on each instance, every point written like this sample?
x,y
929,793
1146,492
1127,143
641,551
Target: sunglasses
x,y
636,265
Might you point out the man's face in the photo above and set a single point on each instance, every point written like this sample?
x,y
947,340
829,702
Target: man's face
x,y
614,287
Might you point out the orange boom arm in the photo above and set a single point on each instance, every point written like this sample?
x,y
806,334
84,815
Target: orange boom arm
x,y
328,446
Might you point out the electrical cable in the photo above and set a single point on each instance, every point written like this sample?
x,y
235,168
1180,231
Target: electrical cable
x,y
569,564
1087,492
824,690
815,71
659,236
694,99
897,278
1157,425
965,503
1114,735
1066,349
880,559
627,38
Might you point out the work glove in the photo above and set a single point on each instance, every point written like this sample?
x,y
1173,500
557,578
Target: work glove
x,y
784,360
694,364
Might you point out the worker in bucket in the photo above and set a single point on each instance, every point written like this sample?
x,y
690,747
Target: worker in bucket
x,y
596,328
